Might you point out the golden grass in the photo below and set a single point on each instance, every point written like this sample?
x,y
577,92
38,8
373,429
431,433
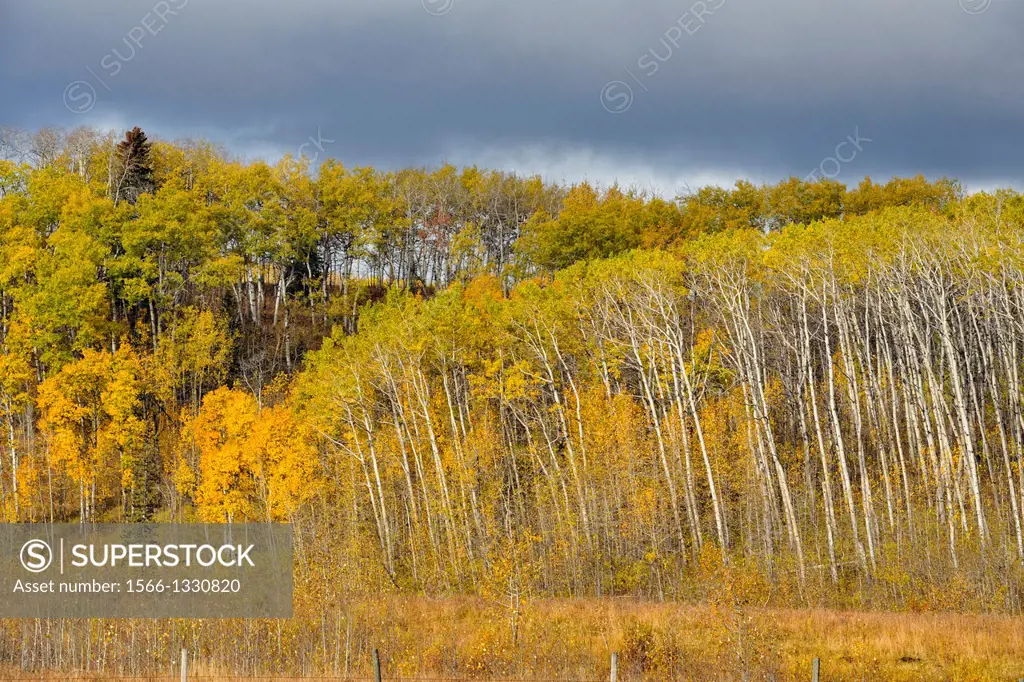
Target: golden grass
x,y
573,639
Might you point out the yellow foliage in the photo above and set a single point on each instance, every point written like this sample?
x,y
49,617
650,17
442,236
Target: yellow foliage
x,y
252,464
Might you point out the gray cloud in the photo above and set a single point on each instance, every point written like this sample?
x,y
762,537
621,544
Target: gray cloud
x,y
762,90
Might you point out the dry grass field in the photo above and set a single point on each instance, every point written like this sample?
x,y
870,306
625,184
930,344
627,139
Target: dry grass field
x,y
573,640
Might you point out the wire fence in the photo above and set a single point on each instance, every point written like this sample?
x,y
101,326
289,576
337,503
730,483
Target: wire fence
x,y
183,674
51,676
100,677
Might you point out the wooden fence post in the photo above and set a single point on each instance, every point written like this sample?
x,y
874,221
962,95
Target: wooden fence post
x,y
184,664
376,665
615,666
816,670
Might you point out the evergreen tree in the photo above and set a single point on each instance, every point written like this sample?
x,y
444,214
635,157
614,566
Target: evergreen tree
x,y
134,170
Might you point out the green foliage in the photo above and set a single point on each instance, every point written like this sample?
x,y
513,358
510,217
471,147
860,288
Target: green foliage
x,y
589,226
498,385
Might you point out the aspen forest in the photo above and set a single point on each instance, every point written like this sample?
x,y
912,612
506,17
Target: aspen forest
x,y
516,422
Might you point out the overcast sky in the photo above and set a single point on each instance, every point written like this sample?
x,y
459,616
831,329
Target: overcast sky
x,y
652,92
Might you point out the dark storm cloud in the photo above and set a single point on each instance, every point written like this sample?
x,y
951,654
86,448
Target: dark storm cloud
x,y
740,88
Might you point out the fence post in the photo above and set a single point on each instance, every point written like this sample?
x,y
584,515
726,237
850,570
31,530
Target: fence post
x,y
816,670
376,665
615,666
184,664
